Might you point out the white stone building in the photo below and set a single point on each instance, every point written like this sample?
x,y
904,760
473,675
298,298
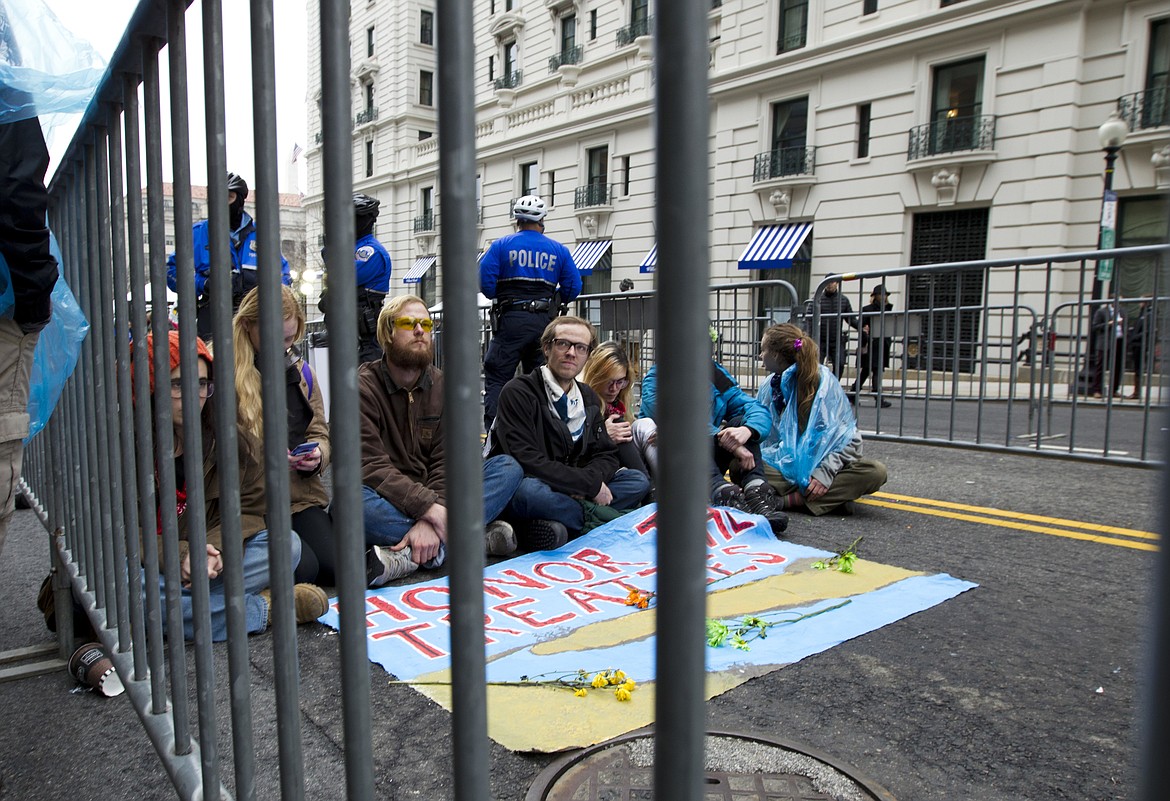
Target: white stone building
x,y
866,134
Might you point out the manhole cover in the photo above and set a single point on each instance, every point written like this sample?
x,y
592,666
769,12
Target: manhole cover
x,y
739,767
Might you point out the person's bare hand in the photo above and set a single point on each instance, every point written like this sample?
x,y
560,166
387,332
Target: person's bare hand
x,y
423,541
214,565
730,439
815,490
306,462
603,497
437,517
745,458
619,430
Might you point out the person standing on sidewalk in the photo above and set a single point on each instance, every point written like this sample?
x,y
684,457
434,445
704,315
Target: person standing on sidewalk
x,y
874,354
836,309
404,465
528,276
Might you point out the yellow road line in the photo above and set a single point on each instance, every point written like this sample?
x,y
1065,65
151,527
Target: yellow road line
x,y
991,521
1053,521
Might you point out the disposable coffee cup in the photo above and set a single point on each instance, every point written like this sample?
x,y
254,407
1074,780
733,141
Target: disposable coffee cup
x,y
91,666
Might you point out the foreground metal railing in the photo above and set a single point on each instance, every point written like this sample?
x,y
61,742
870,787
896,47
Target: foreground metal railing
x,y
103,473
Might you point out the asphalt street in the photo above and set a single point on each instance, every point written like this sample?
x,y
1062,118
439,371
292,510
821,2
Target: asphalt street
x,y
1026,687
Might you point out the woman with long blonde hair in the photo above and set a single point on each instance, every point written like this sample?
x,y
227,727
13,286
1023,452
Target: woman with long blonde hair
x,y
611,375
308,432
812,455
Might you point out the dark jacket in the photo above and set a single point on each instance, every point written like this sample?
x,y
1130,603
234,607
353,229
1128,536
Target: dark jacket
x,y
403,459
530,432
871,315
306,489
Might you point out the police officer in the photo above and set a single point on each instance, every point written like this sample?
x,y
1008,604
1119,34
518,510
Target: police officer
x,y
243,256
371,262
528,276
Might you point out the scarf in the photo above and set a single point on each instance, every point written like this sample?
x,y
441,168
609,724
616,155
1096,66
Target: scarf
x,y
569,406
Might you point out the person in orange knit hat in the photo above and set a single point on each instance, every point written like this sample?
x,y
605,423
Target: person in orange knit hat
x,y
310,600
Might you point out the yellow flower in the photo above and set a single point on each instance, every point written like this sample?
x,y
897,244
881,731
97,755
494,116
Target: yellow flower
x,y
629,685
617,677
600,680
622,694
580,692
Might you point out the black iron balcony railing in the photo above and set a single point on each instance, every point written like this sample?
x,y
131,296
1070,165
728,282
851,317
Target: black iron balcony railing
x,y
509,81
628,34
369,115
571,55
951,135
1148,109
784,162
592,195
425,222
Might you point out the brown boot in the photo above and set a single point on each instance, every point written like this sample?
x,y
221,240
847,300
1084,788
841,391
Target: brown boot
x,y
309,601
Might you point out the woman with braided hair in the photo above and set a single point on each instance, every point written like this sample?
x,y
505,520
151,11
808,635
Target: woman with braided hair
x,y
812,455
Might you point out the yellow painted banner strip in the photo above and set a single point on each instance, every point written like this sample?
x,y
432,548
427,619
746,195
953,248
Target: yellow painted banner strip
x,y
992,521
1052,521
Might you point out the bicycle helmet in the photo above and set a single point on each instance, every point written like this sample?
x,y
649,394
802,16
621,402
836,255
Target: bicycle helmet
x,y
530,208
238,185
365,206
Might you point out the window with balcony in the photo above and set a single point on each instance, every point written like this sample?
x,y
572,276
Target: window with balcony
x,y
790,154
425,221
426,27
529,175
640,23
368,94
510,74
793,25
596,189
957,122
570,51
1151,108
864,115
370,42
426,88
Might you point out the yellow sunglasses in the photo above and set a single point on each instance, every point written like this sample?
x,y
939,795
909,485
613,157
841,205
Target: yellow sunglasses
x,y
408,323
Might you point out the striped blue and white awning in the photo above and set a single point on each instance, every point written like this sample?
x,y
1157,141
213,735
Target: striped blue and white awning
x,y
650,262
421,265
587,254
774,246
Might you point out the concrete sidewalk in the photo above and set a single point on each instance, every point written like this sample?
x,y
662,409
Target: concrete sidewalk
x,y
1022,688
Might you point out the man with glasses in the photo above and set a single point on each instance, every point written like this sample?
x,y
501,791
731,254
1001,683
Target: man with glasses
x,y
404,477
528,276
553,425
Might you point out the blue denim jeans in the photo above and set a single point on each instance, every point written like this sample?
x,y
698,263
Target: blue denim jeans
x,y
535,500
255,579
385,524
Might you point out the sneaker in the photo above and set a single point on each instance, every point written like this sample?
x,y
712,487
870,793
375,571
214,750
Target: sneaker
x,y
384,565
310,602
762,500
499,538
729,495
545,535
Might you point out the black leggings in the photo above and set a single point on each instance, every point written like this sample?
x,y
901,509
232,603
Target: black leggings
x,y
318,555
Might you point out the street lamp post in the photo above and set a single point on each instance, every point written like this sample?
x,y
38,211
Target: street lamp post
x,y
1112,136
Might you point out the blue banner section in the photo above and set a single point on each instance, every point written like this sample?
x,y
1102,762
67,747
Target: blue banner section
x,y
543,597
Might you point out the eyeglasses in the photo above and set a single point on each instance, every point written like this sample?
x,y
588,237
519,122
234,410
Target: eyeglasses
x,y
206,387
408,323
618,383
564,346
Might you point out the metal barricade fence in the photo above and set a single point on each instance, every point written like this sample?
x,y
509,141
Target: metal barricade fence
x,y
102,474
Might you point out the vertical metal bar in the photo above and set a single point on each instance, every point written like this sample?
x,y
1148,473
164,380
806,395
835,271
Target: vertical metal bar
x,y
682,143
111,238
74,459
275,400
94,388
226,432
148,643
1156,709
337,167
464,466
164,441
196,511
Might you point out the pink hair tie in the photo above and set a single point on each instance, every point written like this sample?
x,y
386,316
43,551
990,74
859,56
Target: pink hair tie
x,y
796,343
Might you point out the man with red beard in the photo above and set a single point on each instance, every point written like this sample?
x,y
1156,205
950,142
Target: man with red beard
x,y
403,458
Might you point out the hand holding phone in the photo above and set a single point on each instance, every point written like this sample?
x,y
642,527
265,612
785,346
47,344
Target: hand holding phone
x,y
303,448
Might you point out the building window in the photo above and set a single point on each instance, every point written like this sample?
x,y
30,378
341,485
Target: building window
x,y
424,135
491,68
369,158
426,88
568,32
593,24
599,281
864,112
869,7
370,42
1141,221
1156,107
789,155
528,178
956,107
598,160
625,167
793,25
945,3
940,237
640,14
427,202
426,27
368,91
550,196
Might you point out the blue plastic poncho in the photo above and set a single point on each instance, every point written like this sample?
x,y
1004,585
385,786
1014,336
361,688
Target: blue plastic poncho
x,y
831,427
44,68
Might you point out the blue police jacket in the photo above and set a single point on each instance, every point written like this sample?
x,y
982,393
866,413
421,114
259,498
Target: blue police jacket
x,y
371,262
528,265
243,252
728,402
